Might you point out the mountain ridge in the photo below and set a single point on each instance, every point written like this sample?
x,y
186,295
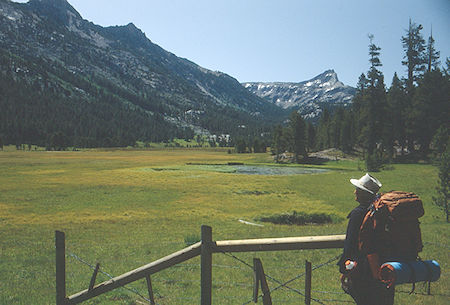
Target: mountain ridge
x,y
308,97
121,61
47,45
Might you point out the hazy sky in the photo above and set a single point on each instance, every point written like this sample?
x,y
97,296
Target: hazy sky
x,y
279,40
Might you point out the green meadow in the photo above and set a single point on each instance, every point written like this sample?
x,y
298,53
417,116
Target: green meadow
x,y
125,208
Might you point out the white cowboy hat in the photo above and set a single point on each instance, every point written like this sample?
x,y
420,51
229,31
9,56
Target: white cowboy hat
x,y
367,183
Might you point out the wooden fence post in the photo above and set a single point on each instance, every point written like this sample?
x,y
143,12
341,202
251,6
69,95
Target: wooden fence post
x,y
206,266
94,277
60,245
260,278
256,280
308,274
150,289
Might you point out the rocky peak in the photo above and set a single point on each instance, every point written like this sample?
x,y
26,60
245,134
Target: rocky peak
x,y
130,26
56,4
134,31
129,34
59,10
327,76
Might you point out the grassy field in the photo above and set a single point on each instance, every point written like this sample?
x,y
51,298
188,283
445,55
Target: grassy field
x,y
127,208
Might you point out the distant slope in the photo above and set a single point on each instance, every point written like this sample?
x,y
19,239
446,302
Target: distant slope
x,y
46,45
308,97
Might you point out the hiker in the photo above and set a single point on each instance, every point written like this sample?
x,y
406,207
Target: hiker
x,y
357,278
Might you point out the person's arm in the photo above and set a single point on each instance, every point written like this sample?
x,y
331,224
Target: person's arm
x,y
351,239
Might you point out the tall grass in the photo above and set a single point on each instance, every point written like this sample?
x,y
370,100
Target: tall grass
x,y
117,210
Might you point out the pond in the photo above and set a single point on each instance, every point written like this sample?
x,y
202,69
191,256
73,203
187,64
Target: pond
x,y
260,169
275,170
243,169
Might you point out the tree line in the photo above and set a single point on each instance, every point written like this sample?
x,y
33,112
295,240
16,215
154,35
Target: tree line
x,y
409,119
46,105
43,103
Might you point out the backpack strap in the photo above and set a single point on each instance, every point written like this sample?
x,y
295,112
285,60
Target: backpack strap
x,y
412,278
429,275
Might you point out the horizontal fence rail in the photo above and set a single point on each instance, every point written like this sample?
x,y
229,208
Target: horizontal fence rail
x,y
279,244
205,249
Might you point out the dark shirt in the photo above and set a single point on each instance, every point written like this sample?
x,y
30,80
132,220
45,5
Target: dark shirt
x,y
364,289
351,251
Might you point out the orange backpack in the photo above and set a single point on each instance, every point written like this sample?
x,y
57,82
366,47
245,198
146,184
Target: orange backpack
x,y
391,227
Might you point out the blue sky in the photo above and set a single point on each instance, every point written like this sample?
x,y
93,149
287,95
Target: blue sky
x,y
279,40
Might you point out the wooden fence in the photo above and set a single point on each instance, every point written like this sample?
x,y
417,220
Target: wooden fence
x,y
205,248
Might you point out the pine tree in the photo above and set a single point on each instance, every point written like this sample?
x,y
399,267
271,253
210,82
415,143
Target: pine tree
x,y
358,110
430,108
258,146
372,110
347,139
376,99
58,141
241,146
323,131
440,140
447,69
414,46
374,59
297,128
443,188
311,136
432,55
397,105
334,128
279,144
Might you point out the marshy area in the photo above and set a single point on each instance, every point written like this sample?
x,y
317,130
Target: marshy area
x,y
125,209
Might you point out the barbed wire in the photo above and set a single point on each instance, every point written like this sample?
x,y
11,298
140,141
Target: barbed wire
x,y
312,269
281,284
214,265
265,274
235,267
133,290
328,292
285,284
341,301
109,276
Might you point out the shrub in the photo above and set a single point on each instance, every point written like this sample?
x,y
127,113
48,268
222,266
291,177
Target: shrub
x,y
191,239
300,218
373,162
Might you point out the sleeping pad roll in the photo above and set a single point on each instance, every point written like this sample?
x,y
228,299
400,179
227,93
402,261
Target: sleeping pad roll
x,y
410,272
